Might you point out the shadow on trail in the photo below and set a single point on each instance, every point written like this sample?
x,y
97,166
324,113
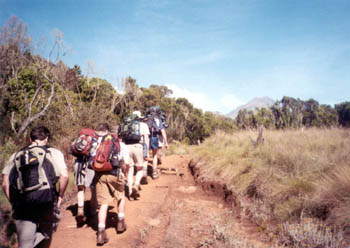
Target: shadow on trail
x,y
91,217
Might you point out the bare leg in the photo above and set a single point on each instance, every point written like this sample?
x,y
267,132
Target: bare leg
x,y
102,214
80,196
93,201
121,227
138,176
155,163
130,178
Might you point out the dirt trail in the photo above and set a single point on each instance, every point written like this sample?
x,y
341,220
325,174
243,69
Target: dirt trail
x,y
172,212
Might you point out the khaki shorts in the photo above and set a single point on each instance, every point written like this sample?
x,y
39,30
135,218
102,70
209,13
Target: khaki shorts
x,y
109,187
136,155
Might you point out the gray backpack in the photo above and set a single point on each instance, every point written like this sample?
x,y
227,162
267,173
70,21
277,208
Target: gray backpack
x,y
33,177
130,129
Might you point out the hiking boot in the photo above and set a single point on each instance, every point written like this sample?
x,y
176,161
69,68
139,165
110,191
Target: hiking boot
x,y
144,181
135,192
102,237
80,218
121,226
155,175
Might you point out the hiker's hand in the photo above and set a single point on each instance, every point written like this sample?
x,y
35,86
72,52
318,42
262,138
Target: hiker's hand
x,y
124,168
59,201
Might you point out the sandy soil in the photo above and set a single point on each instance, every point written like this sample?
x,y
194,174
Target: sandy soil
x,y
172,212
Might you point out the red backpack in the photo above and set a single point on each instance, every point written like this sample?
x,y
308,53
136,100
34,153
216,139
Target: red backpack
x,y
81,146
107,154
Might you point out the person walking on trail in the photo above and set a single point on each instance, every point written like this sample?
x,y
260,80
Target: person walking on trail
x,y
84,178
110,187
83,173
29,181
138,152
158,140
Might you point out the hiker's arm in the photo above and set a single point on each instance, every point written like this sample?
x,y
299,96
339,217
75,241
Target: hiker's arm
x,y
6,185
125,169
63,182
62,172
164,138
146,140
124,153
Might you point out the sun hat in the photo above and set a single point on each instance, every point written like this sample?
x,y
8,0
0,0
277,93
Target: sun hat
x,y
138,113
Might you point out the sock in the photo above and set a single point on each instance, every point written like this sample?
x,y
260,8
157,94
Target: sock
x,y
80,197
101,227
121,216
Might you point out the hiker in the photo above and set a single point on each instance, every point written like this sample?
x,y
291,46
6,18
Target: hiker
x,y
83,173
158,139
84,178
136,140
110,184
32,193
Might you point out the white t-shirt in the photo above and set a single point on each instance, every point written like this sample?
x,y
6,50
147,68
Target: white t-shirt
x,y
57,155
144,131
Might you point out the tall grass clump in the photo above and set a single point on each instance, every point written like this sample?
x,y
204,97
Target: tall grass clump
x,y
293,173
177,148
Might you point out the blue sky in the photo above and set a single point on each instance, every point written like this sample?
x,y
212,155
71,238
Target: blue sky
x,y
218,54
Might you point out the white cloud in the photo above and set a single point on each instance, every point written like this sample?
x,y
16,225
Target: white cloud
x,y
230,102
211,102
198,99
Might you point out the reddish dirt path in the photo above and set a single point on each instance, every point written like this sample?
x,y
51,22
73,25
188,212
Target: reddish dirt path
x,y
172,212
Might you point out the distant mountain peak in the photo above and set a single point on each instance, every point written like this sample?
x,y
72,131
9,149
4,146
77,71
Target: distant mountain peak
x,y
257,102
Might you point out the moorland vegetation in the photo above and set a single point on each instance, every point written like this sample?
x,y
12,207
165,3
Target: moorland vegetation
x,y
297,173
295,184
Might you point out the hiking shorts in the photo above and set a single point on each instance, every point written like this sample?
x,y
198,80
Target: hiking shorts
x,y
83,176
109,187
154,143
35,228
136,155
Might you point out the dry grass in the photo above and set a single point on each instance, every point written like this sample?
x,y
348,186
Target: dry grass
x,y
293,172
310,233
177,148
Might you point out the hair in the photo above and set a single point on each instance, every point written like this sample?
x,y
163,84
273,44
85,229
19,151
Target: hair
x,y
39,133
103,127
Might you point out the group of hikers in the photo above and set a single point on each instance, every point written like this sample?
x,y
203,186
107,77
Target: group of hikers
x,y
112,162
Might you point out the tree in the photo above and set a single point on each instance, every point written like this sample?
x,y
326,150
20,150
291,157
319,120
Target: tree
x,y
328,116
20,66
343,110
311,117
15,47
242,119
292,112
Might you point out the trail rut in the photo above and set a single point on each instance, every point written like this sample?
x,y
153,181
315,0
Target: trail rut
x,y
172,212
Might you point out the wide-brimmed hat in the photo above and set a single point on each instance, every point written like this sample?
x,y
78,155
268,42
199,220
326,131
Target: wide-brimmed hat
x,y
138,113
